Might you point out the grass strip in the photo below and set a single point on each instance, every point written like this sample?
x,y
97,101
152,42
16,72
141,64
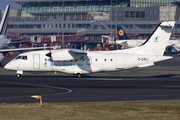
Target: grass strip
x,y
90,111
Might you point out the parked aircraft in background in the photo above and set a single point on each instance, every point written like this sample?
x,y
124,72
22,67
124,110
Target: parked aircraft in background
x,y
173,45
3,29
125,41
80,62
4,42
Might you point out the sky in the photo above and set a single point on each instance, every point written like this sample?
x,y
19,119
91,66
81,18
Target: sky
x,y
13,5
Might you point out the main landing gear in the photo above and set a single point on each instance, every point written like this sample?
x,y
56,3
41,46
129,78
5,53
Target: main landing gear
x,y
78,75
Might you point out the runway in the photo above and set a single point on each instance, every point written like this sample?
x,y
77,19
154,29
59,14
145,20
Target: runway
x,y
160,82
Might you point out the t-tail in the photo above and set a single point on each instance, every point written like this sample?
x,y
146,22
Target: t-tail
x,y
157,42
4,21
121,33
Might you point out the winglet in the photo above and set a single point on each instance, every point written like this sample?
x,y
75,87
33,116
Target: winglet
x,y
4,22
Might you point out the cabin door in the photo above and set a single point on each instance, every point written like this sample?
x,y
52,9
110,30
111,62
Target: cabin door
x,y
36,59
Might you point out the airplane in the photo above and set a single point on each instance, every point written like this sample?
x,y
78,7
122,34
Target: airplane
x,y
3,29
173,45
125,41
4,42
79,62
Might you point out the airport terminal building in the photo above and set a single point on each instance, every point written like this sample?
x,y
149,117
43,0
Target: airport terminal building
x,y
93,18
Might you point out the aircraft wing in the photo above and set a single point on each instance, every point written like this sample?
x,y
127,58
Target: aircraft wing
x,y
21,49
27,41
121,42
125,42
67,54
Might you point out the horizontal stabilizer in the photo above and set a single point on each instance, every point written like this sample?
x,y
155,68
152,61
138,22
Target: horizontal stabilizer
x,y
154,59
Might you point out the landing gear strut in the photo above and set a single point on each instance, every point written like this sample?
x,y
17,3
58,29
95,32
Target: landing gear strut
x,y
19,73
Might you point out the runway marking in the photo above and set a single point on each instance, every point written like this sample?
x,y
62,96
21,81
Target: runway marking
x,y
46,86
172,86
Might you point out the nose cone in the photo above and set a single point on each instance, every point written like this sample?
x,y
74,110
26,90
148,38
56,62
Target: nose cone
x,y
9,66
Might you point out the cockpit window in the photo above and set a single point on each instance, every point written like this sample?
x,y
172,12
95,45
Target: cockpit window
x,y
24,57
21,57
18,57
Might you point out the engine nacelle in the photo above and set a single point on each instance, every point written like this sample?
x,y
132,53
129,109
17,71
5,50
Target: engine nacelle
x,y
64,56
1,57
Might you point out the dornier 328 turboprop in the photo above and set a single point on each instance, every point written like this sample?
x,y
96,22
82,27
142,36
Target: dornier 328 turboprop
x,y
80,62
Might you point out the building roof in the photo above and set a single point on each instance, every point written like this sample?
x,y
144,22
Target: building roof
x,y
16,1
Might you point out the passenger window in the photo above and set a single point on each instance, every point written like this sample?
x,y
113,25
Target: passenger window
x,y
111,60
96,60
105,60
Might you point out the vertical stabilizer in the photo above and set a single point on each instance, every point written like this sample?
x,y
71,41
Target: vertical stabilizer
x,y
121,33
157,42
4,21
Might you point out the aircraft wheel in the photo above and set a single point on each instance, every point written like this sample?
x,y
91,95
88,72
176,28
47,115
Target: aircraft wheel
x,y
18,75
78,75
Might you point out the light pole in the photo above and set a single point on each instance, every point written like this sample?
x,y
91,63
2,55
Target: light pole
x,y
58,17
111,17
116,17
63,26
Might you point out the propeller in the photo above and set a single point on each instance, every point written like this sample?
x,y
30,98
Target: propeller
x,y
49,54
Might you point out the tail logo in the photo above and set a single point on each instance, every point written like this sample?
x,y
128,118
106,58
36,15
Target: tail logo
x,y
156,39
121,32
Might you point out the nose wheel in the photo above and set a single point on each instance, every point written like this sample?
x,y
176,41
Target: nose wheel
x,y
18,75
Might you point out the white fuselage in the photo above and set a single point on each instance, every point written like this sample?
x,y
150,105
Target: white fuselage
x,y
92,62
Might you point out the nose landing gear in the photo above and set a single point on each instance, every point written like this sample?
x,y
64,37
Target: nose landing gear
x,y
19,73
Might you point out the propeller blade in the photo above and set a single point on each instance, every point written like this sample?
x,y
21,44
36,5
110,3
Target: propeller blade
x,y
48,54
